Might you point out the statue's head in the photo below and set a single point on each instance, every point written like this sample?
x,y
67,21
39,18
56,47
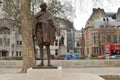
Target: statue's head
x,y
43,6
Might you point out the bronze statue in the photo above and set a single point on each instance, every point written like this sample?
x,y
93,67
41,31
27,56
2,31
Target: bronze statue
x,y
45,31
62,40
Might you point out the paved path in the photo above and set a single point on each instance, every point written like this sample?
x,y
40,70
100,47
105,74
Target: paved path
x,y
68,73
93,70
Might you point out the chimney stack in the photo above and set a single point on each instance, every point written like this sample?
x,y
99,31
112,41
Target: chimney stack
x,y
118,15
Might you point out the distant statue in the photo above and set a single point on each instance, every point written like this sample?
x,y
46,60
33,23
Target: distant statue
x,y
62,40
44,31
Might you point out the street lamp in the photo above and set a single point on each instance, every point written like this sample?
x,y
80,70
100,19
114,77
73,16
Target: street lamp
x,y
0,2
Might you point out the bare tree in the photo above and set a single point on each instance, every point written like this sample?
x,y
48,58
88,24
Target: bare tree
x,y
59,8
12,11
63,10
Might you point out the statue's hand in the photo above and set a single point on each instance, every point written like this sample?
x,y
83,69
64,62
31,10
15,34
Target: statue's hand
x,y
38,21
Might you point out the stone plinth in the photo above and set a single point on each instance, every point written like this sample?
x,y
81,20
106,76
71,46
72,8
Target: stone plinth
x,y
62,50
44,74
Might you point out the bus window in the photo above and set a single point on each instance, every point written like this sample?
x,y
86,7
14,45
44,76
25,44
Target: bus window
x,y
115,52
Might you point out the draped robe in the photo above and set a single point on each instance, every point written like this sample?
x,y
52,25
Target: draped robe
x,y
45,27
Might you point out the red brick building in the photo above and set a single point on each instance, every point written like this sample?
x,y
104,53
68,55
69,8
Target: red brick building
x,y
101,28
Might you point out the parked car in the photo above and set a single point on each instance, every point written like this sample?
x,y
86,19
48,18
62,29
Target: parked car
x,y
101,56
115,57
72,56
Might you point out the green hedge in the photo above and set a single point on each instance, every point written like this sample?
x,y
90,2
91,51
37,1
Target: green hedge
x,y
16,58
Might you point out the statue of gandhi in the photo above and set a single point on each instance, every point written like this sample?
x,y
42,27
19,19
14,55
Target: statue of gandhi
x,y
44,31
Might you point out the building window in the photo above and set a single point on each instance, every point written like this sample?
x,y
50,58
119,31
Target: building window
x,y
12,45
6,32
58,33
78,43
17,53
103,19
56,52
101,26
0,32
114,38
56,42
118,26
17,42
119,38
102,49
113,26
59,42
20,42
36,51
7,41
107,26
95,38
12,53
95,50
87,51
102,37
36,42
107,19
20,53
108,38
0,41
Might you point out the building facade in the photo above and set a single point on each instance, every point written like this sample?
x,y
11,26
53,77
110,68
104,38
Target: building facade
x,y
101,28
10,38
78,41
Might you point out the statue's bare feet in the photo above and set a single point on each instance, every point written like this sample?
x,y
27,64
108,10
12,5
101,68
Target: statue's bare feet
x,y
49,65
40,65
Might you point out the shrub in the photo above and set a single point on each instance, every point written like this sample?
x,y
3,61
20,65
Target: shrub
x,y
16,58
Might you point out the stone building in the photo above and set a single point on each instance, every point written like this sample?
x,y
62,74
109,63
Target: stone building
x,y
78,41
101,28
10,38
65,28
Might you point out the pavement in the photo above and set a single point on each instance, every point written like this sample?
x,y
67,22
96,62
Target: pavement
x,y
67,73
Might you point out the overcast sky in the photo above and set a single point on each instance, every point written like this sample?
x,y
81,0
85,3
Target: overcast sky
x,y
84,9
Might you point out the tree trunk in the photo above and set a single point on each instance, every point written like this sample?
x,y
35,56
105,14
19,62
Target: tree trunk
x,y
27,37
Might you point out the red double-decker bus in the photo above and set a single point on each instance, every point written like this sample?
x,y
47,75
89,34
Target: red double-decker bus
x,y
112,49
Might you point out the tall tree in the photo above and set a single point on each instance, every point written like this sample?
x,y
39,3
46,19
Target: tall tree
x,y
26,29
59,8
11,10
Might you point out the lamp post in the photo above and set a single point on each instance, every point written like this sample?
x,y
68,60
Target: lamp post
x,y
83,42
99,43
0,51
0,2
